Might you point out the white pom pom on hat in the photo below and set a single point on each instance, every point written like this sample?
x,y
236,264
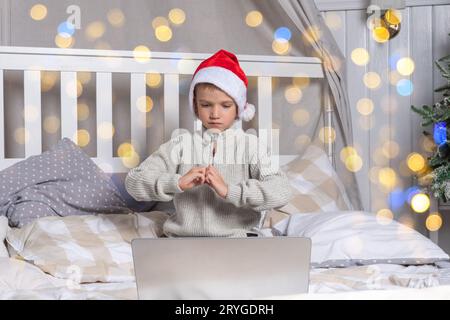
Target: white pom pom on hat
x,y
248,113
222,69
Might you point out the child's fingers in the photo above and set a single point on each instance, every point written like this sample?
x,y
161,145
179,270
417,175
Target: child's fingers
x,y
198,170
210,170
211,178
215,172
198,177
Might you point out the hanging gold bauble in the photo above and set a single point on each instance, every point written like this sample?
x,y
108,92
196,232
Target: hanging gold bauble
x,y
391,21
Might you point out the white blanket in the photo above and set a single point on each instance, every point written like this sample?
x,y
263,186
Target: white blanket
x,y
25,280
433,293
22,280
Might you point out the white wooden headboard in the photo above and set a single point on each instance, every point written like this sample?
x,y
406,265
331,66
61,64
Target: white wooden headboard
x,y
106,62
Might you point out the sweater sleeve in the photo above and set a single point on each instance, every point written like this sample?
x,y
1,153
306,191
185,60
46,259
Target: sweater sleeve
x,y
267,189
156,179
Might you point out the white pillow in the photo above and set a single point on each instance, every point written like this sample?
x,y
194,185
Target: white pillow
x,y
344,238
3,230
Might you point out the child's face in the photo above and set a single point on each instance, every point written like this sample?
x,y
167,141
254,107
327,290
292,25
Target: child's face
x,y
215,108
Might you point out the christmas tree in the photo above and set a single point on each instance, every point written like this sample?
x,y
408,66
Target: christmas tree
x,y
438,115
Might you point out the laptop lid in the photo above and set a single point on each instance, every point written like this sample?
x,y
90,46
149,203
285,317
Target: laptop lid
x,y
221,268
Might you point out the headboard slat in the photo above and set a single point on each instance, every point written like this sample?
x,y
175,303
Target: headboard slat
x,y
171,104
69,112
104,115
265,110
32,113
2,119
138,118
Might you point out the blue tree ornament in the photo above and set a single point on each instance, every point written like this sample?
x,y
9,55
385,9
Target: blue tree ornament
x,y
440,132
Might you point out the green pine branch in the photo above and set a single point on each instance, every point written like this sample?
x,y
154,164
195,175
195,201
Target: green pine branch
x,y
439,162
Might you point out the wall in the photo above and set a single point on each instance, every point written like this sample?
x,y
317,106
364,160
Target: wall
x,y
223,20
423,37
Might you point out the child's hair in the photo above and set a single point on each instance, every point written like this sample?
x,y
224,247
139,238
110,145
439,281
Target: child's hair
x,y
211,87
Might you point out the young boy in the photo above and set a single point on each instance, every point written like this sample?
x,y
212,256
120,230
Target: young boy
x,y
220,189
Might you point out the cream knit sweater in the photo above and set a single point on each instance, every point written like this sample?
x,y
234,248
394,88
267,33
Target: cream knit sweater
x,y
253,183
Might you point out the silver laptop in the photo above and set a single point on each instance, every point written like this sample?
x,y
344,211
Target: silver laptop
x,y
221,268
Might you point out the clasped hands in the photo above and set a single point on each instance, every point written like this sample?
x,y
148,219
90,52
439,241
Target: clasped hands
x,y
204,175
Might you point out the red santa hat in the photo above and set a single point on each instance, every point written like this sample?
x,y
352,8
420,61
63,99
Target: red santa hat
x,y
223,70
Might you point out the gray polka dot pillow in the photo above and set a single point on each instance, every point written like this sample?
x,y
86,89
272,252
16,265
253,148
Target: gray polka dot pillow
x,y
62,181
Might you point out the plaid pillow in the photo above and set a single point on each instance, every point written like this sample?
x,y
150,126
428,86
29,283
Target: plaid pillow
x,y
86,248
316,185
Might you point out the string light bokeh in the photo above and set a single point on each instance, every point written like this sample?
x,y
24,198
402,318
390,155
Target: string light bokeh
x,y
164,28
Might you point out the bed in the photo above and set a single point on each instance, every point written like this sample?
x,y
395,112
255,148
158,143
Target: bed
x,y
66,229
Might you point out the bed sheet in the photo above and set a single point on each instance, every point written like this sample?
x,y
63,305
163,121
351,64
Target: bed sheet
x,y
23,280
432,293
